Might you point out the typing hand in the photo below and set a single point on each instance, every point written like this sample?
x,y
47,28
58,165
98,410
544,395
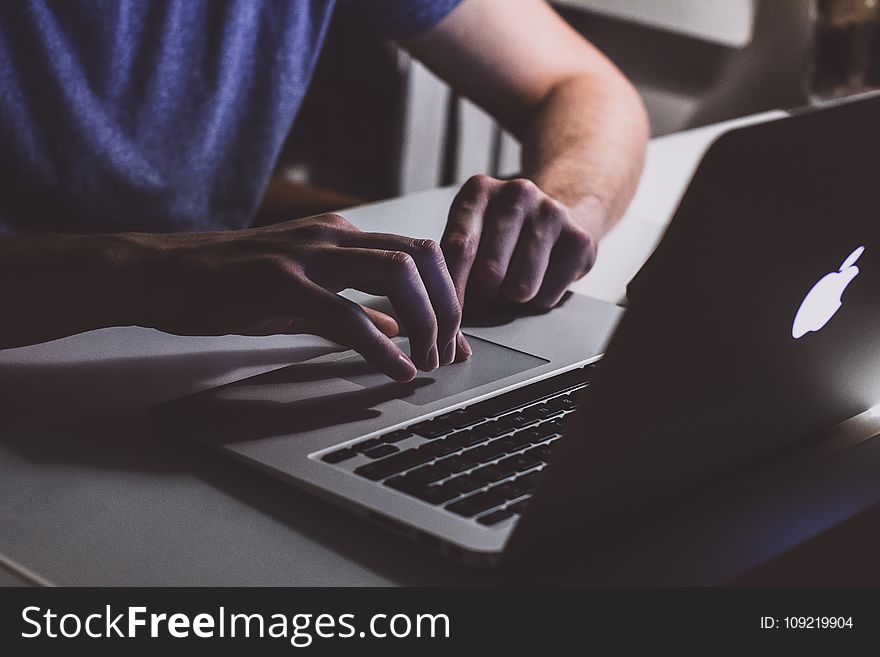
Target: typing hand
x,y
285,279
508,240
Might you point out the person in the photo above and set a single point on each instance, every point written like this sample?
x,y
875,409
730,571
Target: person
x,y
137,138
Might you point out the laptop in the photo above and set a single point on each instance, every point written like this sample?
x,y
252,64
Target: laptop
x,y
752,328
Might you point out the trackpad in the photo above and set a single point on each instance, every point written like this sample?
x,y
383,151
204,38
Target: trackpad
x,y
489,362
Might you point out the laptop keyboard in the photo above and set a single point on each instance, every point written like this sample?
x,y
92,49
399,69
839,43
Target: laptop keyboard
x,y
480,462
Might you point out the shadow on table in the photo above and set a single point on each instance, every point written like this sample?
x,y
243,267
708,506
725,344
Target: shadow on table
x,y
261,407
86,415
89,413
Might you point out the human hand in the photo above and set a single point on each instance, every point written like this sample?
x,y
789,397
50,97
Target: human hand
x,y
285,278
508,240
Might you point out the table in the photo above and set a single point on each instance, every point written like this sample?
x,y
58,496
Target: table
x,y
93,497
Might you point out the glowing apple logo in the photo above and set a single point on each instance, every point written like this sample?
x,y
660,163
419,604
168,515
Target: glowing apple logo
x,y
823,301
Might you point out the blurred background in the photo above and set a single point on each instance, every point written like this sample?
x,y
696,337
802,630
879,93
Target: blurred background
x,y
377,124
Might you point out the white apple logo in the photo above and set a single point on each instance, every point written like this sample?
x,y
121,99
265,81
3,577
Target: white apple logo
x,y
823,301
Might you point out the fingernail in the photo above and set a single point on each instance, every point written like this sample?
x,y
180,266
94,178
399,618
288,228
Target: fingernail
x,y
407,369
433,358
449,352
464,346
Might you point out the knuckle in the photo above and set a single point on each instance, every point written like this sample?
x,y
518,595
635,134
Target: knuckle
x,y
463,211
428,249
581,240
490,271
307,229
350,316
274,268
478,183
460,247
456,314
585,247
323,229
520,191
551,210
336,220
401,262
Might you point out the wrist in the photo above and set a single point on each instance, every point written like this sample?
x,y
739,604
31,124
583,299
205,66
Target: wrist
x,y
118,272
591,214
587,210
60,285
143,284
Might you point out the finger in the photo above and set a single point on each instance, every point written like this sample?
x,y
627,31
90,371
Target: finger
x,y
392,274
463,349
435,277
461,239
502,224
345,322
530,260
385,323
572,256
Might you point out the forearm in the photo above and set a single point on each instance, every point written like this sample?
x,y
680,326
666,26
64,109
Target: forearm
x,y
275,279
52,286
585,146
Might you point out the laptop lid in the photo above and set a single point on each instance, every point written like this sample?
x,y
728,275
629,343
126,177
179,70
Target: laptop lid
x,y
753,326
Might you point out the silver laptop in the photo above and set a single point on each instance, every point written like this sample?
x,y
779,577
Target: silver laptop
x,y
532,442
403,453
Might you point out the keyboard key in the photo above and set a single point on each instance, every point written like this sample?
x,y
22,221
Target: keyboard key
x,y
552,427
437,494
459,418
564,403
533,435
520,439
432,494
430,429
443,447
521,462
520,506
464,461
339,455
379,451
514,443
484,453
490,429
468,438
492,473
465,483
505,444
364,445
455,464
493,450
428,474
513,489
540,411
476,503
515,421
509,466
396,436
530,479
495,517
393,464
403,483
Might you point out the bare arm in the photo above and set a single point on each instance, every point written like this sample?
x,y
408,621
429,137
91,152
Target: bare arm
x,y
583,129
276,279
